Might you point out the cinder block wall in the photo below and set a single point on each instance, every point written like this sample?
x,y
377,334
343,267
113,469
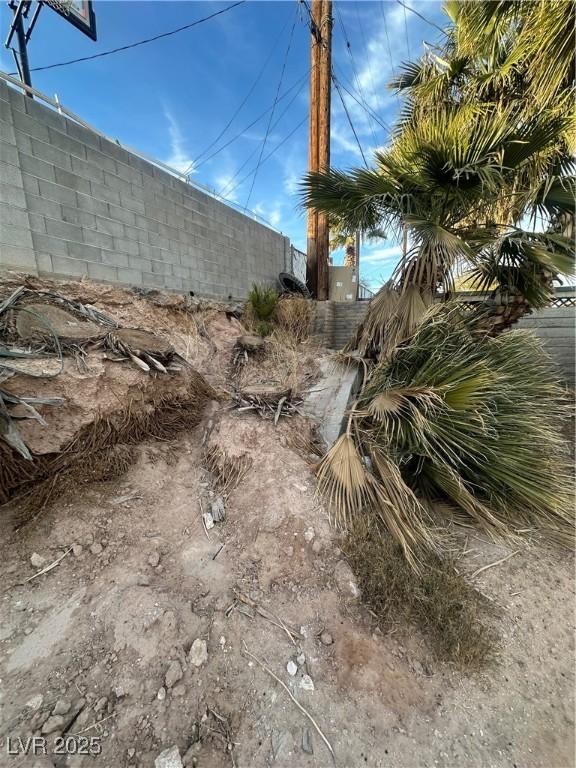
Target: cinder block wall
x,y
556,327
336,322
73,203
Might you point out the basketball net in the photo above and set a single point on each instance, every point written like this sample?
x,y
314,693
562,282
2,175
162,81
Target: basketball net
x,y
62,6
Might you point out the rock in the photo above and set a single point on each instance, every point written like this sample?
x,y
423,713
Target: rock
x,y
96,548
326,638
161,695
142,580
154,559
131,752
173,674
198,653
20,605
292,668
218,509
309,534
307,741
179,691
307,684
100,704
317,546
35,702
119,692
208,520
54,723
301,659
345,580
77,549
37,560
28,630
169,758
62,707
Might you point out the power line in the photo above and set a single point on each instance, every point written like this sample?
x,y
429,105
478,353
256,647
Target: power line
x,y
358,16
269,155
354,72
253,123
224,190
289,46
244,100
406,30
368,109
337,84
388,41
432,24
140,42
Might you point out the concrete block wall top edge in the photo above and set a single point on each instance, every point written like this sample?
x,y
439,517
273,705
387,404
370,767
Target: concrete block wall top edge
x,y
78,198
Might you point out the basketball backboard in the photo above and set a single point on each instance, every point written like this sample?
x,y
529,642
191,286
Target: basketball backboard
x,y
77,12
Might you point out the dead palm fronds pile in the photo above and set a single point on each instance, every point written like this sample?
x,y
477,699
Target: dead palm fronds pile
x,y
145,349
228,471
269,401
101,449
455,416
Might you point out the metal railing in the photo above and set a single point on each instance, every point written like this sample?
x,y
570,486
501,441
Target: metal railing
x,y
58,107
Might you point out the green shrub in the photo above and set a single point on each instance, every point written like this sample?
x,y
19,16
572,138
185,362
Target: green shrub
x,y
264,328
262,300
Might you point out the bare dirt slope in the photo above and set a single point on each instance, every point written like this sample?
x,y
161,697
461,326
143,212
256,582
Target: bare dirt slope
x,y
110,642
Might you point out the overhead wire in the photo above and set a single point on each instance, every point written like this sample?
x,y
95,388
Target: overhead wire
x,y
337,86
139,42
244,100
417,13
269,155
254,122
288,48
388,43
353,63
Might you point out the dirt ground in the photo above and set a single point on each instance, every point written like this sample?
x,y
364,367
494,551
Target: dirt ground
x,y
110,642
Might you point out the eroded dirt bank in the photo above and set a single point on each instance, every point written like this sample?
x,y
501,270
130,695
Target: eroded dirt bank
x,y
110,642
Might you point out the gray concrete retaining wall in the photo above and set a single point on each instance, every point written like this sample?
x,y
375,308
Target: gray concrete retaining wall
x,y
74,204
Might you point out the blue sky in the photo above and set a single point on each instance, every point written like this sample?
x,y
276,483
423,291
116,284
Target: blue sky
x,y
172,98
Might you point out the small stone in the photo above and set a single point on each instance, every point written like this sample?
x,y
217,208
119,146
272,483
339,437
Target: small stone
x,y
292,668
208,520
96,548
20,605
179,691
161,695
53,723
35,702
119,692
326,638
317,546
198,653
301,659
309,534
131,752
37,560
173,674
62,707
169,758
154,559
28,630
100,704
307,684
142,580
307,741
218,509
345,579
77,549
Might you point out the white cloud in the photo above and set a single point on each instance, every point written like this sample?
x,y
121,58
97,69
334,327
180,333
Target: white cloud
x,y
381,255
179,158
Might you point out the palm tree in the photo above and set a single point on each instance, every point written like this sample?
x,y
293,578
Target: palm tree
x,y
473,159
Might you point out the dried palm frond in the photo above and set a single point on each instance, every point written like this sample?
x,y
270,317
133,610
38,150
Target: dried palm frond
x,y
269,401
228,471
145,349
459,417
293,314
147,416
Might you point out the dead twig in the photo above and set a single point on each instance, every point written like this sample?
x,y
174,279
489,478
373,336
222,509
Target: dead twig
x,y
89,728
290,694
48,567
269,616
491,565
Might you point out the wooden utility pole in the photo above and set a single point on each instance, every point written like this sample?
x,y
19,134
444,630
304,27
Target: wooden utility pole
x,y
319,142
